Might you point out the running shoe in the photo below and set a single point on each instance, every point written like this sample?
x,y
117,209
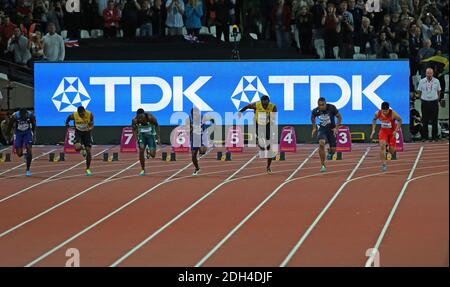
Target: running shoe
x,y
329,156
269,170
142,173
323,168
196,172
27,173
384,167
88,172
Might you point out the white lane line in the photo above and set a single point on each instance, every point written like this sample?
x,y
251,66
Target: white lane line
x,y
238,226
393,210
22,164
181,214
75,236
322,213
64,202
45,180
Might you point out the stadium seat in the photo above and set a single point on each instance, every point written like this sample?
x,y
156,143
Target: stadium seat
x,y
138,32
184,31
204,31
357,49
64,34
84,34
319,45
96,33
359,57
253,36
238,37
336,52
213,30
393,56
4,76
120,33
372,56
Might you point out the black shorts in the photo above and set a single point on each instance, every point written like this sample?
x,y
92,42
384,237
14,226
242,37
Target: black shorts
x,y
83,138
328,136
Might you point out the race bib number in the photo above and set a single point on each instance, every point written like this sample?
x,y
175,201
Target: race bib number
x,y
23,127
262,118
324,120
386,125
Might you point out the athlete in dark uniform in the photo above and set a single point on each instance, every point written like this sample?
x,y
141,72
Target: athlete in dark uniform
x,y
327,128
25,132
147,132
199,136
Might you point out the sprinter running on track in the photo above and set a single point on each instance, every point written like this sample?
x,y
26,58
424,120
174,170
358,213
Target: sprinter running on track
x,y
147,132
199,136
25,134
264,118
388,131
327,128
84,123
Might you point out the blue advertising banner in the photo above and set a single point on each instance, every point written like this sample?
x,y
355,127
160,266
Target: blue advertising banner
x,y
113,91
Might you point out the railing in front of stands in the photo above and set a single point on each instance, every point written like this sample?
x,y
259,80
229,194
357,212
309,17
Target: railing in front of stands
x,y
17,73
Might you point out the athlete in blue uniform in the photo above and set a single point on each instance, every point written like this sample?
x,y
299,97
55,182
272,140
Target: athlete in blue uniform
x,y
327,128
199,136
25,132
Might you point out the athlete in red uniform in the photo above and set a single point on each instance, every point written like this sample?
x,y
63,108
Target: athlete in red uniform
x,y
388,130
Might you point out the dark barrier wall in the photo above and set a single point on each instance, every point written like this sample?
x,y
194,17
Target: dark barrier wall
x,y
111,135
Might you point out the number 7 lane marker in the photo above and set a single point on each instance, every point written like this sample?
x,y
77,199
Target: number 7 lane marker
x,y
181,214
322,213
47,179
237,227
392,213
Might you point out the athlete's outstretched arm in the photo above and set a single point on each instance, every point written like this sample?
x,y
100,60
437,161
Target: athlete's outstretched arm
x,y
374,124
313,123
91,123
33,127
134,127
249,106
339,120
69,118
12,120
395,116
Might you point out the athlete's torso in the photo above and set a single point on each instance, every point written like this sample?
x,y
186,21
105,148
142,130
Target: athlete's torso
x,y
262,115
23,125
326,117
82,123
387,121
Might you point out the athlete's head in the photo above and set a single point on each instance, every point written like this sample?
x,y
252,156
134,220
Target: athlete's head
x,y
81,111
23,113
140,114
265,101
322,104
385,108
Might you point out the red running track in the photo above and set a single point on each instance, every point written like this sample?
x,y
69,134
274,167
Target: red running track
x,y
232,214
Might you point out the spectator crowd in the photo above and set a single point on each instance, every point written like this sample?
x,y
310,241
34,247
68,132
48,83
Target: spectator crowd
x,y
417,30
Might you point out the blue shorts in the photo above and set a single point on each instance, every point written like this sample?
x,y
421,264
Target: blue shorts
x,y
328,136
23,138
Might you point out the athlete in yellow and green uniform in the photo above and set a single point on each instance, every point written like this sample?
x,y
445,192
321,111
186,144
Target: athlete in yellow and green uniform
x,y
84,123
264,111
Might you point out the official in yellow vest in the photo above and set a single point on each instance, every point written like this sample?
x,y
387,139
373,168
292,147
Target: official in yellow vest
x,y
264,116
84,123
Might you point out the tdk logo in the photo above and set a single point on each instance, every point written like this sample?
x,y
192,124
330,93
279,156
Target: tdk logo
x,y
249,89
70,94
